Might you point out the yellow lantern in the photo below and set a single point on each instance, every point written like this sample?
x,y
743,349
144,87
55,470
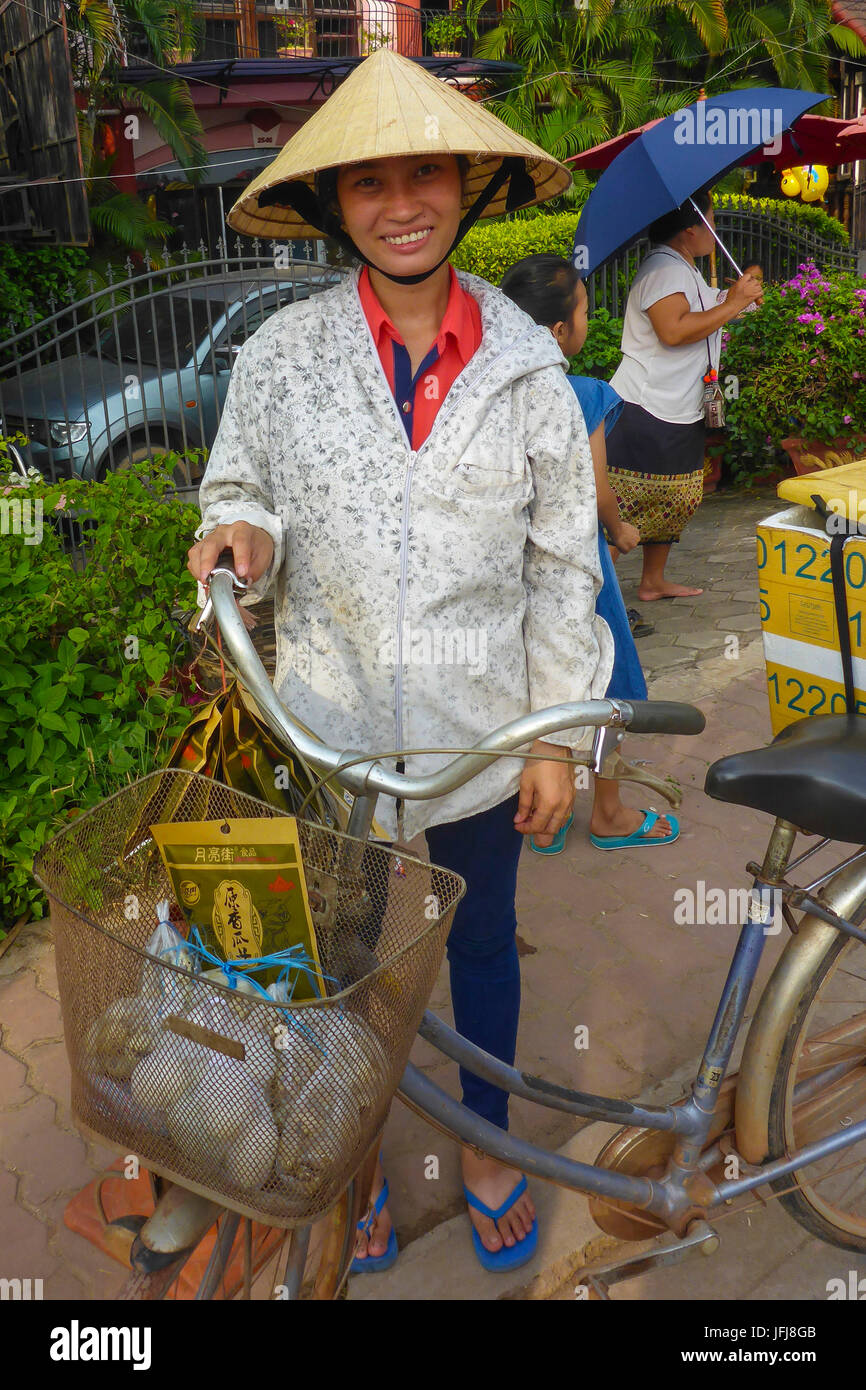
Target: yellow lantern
x,y
815,182
791,183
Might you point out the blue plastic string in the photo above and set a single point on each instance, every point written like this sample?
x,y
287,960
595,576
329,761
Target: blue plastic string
x,y
292,959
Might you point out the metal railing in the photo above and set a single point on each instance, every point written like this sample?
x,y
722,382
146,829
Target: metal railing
x,y
142,366
345,29
778,244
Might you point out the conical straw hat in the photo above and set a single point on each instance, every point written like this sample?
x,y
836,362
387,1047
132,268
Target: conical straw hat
x,y
391,106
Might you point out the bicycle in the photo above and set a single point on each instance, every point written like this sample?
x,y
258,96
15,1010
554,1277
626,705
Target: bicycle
x,y
789,1112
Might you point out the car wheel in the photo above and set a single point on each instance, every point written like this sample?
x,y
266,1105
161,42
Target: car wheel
x,y
182,475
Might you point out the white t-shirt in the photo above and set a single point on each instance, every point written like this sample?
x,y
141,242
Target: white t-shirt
x,y
666,381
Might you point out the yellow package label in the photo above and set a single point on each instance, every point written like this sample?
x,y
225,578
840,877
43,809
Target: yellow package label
x,y
798,617
241,884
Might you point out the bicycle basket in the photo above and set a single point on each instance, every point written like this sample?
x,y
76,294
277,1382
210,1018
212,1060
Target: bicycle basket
x,y
268,1108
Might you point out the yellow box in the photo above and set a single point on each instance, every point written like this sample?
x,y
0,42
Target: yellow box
x,y
798,614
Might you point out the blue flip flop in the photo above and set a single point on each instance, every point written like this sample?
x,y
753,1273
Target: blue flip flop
x,y
641,836
558,844
376,1264
510,1256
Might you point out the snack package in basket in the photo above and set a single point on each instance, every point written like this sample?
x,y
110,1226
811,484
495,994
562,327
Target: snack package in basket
x,y
241,886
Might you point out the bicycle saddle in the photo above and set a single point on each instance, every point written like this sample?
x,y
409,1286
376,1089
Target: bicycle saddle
x,y
812,774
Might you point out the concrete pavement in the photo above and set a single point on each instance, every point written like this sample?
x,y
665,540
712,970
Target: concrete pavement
x,y
600,951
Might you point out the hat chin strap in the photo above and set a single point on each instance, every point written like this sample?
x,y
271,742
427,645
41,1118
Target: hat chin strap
x,y
303,200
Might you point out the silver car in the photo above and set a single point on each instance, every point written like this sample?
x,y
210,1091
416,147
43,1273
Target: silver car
x,y
155,375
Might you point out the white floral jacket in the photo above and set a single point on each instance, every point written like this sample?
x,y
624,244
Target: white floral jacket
x,y
423,597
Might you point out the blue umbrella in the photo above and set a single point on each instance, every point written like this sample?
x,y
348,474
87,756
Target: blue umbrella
x,y
665,165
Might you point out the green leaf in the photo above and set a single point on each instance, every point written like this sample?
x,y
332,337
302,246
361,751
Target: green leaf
x,y
49,720
34,743
78,635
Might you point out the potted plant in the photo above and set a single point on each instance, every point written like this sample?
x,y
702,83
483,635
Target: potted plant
x,y
795,375
376,37
446,32
294,36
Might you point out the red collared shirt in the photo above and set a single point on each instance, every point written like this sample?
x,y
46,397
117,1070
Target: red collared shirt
x,y
419,398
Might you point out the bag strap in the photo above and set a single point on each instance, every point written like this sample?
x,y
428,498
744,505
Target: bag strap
x,y
664,252
840,599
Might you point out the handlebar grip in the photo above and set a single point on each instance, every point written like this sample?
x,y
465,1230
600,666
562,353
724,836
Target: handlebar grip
x,y
665,717
225,558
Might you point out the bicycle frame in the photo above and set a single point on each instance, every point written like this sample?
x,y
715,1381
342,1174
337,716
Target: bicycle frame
x,y
685,1192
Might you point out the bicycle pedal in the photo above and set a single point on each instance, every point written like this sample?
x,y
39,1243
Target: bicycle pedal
x,y
653,1254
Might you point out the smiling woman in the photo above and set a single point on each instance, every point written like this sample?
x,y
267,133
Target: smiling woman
x,y
404,458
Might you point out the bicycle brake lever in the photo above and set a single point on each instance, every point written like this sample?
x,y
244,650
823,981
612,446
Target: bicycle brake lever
x,y
224,565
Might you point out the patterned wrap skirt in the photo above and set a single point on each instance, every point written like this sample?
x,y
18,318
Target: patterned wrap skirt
x,y
656,470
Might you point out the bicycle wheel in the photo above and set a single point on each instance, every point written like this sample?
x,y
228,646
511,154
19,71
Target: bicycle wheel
x,y
309,1263
820,1090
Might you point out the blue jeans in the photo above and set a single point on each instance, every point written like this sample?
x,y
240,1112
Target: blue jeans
x,y
482,952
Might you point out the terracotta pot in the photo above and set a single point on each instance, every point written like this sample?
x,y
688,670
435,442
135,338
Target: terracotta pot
x,y
713,446
445,53
712,473
298,51
803,452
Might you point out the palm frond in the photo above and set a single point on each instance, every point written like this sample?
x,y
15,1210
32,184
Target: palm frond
x,y
170,107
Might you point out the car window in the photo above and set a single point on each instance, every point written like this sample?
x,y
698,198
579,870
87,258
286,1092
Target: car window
x,y
162,331
251,314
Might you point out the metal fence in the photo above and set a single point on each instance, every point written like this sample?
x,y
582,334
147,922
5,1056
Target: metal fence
x,y
142,366
778,244
314,29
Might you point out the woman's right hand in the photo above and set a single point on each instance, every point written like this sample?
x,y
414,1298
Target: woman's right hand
x,y
747,290
252,546
624,536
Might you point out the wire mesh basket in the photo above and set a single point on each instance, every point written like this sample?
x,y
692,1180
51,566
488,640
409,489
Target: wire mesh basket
x,y
268,1108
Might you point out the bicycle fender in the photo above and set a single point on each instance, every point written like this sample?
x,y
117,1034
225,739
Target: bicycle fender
x,y
777,1006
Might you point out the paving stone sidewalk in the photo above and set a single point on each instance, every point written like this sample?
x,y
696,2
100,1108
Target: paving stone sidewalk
x,y
597,937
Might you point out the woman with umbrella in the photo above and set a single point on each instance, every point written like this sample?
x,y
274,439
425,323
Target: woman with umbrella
x,y
670,344
403,455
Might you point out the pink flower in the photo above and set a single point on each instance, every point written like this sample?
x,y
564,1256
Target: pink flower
x,y
846,419
61,503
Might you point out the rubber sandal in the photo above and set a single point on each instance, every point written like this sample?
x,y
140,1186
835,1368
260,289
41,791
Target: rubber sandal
x,y
510,1256
639,837
376,1264
558,844
638,626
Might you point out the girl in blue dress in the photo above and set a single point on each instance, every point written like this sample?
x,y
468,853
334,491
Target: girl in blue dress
x,y
550,290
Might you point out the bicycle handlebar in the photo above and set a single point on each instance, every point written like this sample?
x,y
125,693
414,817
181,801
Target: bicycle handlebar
x,y
369,778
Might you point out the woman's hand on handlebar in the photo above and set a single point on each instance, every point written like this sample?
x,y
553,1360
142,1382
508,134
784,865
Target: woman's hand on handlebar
x,y
253,551
546,795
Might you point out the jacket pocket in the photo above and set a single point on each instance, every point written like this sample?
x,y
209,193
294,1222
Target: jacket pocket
x,y
484,480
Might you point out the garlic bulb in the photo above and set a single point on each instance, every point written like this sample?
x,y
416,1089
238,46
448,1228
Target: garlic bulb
x,y
127,1030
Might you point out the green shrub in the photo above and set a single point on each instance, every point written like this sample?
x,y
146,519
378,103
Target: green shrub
x,y
810,217
489,248
797,367
87,702
601,353
30,276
